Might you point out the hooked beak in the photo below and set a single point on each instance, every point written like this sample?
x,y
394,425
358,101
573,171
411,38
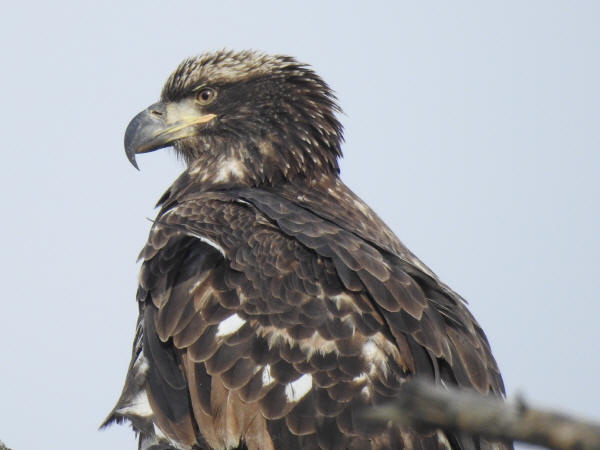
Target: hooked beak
x,y
160,125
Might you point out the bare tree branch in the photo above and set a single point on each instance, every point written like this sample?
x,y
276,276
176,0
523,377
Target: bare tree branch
x,y
426,404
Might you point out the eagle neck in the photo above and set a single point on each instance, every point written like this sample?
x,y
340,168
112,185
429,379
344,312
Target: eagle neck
x,y
256,163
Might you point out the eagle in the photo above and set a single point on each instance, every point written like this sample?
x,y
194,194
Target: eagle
x,y
275,306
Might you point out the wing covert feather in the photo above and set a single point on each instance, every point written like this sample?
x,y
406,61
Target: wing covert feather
x,y
294,319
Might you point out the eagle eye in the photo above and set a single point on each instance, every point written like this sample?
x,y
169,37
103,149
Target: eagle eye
x,y
206,96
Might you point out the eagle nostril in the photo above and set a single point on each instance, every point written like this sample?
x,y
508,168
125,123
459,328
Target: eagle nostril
x,y
155,112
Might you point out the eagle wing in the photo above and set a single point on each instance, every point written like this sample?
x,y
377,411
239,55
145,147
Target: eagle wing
x,y
267,325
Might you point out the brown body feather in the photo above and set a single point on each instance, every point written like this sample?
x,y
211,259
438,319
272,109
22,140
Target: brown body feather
x,y
273,312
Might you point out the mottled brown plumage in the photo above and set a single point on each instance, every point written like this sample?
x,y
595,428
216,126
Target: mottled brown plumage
x,y
274,304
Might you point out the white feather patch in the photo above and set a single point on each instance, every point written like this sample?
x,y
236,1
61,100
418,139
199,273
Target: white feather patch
x,y
295,390
366,391
230,168
204,239
140,365
230,325
209,242
138,407
359,379
266,376
161,437
159,433
372,352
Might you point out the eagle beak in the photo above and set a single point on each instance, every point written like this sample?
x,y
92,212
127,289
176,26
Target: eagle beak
x,y
160,125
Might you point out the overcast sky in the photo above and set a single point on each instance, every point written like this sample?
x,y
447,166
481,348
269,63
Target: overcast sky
x,y
473,129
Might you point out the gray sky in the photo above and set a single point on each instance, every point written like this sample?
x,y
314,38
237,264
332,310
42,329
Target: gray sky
x,y
471,128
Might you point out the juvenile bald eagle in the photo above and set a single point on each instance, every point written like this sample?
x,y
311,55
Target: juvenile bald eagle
x,y
274,305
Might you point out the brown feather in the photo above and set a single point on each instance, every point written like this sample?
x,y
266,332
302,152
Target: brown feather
x,y
274,304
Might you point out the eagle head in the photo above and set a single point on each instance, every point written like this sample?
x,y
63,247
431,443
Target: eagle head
x,y
243,118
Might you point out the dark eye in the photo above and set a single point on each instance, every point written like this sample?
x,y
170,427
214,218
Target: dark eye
x,y
206,96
